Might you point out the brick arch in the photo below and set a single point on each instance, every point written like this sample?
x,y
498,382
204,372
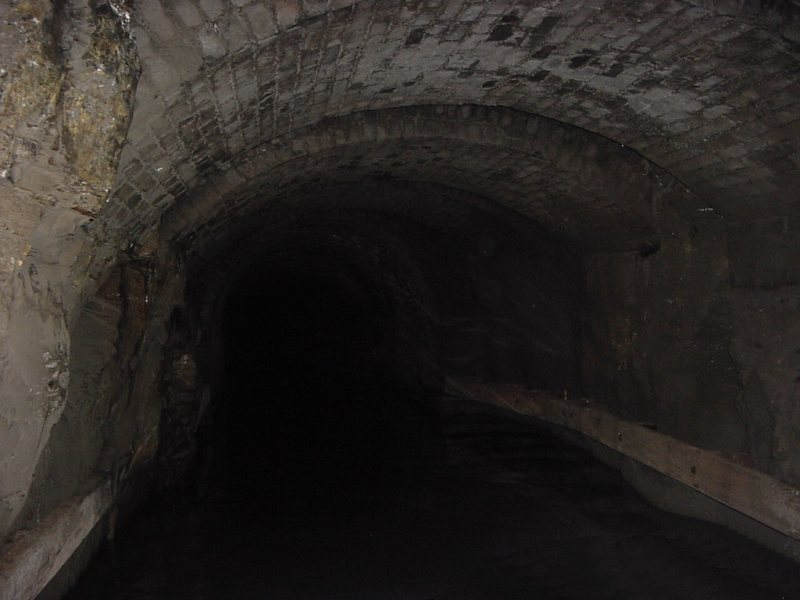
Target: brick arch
x,y
684,83
578,185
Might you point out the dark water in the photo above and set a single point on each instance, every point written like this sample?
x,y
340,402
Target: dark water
x,y
506,513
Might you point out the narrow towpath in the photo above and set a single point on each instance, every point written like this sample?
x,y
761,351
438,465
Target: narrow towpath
x,y
508,512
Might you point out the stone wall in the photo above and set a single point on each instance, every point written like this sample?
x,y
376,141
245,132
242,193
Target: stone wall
x,y
594,119
686,339
67,80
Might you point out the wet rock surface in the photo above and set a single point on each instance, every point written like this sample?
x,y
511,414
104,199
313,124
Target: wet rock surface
x,y
511,512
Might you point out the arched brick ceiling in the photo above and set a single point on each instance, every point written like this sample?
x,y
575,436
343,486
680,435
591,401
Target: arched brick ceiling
x,y
367,208
707,90
578,185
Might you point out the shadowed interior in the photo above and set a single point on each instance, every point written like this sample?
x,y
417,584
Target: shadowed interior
x,y
244,244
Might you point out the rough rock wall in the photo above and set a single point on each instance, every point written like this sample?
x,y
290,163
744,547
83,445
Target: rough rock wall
x,y
67,76
508,309
83,441
701,346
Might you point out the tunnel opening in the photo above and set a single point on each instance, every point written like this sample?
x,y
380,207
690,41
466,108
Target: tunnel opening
x,y
312,403
318,333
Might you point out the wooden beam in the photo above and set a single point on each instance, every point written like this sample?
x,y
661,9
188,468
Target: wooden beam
x,y
30,562
753,493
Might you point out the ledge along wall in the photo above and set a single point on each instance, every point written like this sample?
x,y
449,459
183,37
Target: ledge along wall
x,y
748,493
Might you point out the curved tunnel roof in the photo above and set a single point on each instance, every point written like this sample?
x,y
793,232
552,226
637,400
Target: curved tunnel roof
x,y
235,99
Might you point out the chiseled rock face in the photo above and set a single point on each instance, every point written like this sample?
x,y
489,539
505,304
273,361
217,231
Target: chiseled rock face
x,y
97,104
30,85
685,338
67,80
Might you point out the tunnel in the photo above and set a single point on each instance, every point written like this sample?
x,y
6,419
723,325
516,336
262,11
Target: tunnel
x,y
327,345
308,424
312,394
377,299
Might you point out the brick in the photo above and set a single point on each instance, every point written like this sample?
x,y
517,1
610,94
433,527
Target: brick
x,y
287,12
261,21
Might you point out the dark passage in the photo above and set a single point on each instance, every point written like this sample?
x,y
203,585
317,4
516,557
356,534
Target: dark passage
x,y
311,400
512,513
327,473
